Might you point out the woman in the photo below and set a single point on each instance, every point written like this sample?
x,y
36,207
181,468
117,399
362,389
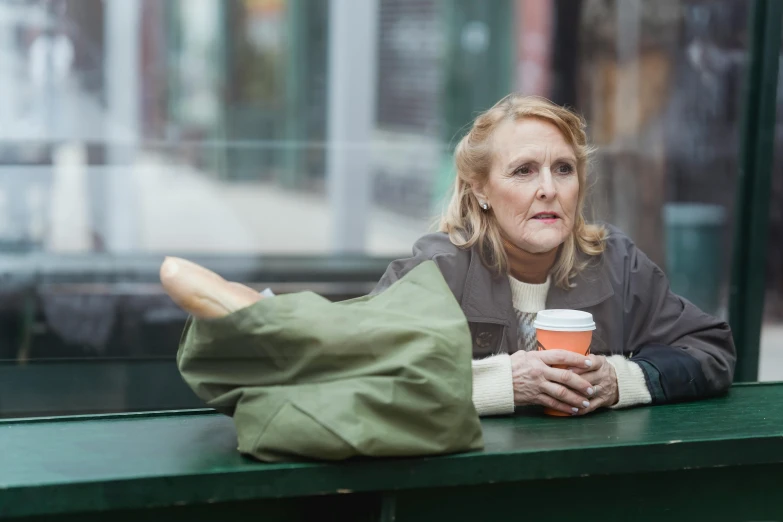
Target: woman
x,y
514,241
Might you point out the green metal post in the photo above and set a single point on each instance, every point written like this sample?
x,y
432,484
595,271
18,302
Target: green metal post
x,y
746,299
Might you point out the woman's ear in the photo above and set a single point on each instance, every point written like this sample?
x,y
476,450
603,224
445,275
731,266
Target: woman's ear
x,y
480,194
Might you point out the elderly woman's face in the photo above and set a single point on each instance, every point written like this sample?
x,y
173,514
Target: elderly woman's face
x,y
533,187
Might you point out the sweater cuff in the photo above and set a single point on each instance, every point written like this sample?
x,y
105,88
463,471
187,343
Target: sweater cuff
x,y
493,386
631,384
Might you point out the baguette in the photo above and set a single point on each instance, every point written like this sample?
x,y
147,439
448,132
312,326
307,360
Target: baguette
x,y
201,292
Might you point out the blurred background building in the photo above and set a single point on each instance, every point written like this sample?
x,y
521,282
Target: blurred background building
x,y
325,127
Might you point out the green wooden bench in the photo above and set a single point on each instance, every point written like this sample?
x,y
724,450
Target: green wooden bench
x,y
720,459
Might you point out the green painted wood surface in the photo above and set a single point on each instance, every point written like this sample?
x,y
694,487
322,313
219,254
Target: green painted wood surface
x,y
142,461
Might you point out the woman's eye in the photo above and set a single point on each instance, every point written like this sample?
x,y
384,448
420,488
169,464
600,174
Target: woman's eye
x,y
524,169
565,168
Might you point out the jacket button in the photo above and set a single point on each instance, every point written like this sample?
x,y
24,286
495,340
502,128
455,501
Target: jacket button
x,y
484,339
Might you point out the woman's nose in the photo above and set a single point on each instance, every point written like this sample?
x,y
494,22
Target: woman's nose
x,y
546,189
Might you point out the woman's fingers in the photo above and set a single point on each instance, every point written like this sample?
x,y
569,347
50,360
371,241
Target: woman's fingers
x,y
596,363
582,385
565,395
550,402
598,402
565,358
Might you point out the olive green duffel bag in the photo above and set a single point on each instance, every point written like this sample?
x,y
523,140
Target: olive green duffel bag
x,y
387,375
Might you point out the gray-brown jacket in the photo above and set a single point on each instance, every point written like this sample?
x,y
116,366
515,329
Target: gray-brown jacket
x,y
684,352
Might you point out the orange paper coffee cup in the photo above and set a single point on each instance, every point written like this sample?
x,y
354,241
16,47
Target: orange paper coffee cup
x,y
570,330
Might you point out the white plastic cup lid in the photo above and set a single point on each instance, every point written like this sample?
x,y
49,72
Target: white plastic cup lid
x,y
564,321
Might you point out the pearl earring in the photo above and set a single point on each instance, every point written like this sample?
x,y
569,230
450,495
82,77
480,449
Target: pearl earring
x,y
484,206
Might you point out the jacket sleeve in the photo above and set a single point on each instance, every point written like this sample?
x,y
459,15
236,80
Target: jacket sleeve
x,y
685,353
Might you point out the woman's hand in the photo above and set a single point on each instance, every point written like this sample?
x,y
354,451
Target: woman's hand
x,y
604,380
537,382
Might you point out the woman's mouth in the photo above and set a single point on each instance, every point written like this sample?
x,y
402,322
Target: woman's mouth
x,y
546,217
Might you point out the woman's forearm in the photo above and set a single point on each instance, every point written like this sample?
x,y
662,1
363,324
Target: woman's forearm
x,y
493,386
631,384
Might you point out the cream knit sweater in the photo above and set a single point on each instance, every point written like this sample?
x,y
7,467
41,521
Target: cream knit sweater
x,y
493,388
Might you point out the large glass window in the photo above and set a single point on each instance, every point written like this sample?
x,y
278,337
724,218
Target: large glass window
x,y
305,143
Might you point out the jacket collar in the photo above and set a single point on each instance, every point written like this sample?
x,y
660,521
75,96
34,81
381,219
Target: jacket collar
x,y
487,297
592,286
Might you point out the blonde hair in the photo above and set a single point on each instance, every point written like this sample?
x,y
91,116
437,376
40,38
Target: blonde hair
x,y
467,224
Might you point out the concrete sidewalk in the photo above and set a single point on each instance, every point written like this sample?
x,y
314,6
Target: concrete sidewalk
x,y
161,206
